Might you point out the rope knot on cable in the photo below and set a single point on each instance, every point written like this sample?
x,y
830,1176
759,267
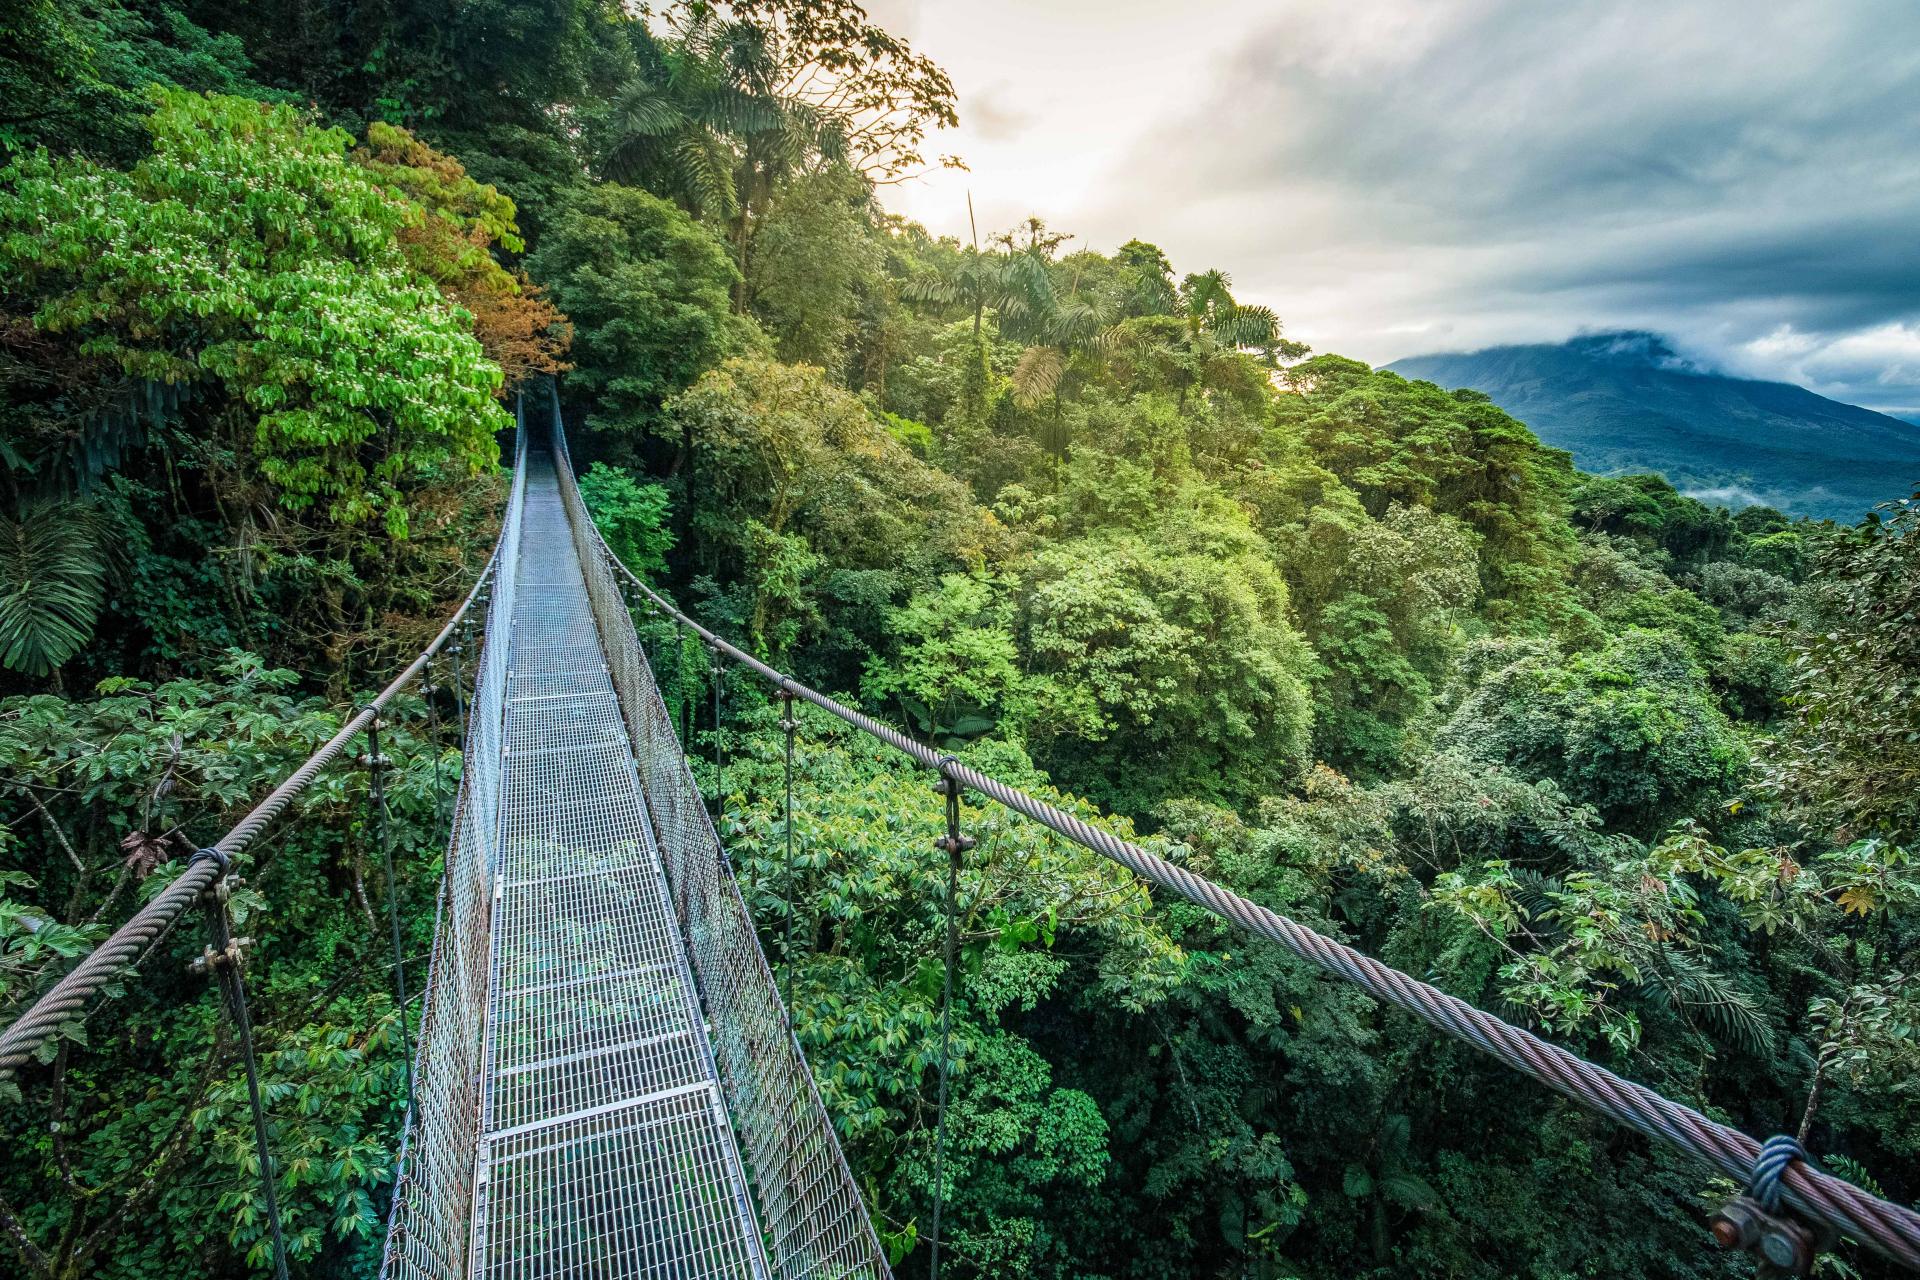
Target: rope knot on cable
x,y
1776,1154
221,862
1757,1222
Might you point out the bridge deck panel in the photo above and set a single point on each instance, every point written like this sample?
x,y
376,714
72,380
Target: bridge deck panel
x,y
606,1151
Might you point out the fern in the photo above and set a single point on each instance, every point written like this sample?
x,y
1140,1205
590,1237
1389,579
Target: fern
x,y
52,581
1729,1012
1853,1171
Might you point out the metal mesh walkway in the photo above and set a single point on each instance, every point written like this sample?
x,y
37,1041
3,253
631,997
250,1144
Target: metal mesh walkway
x,y
606,1149
608,1086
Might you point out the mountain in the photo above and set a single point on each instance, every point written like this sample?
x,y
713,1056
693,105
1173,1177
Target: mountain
x,y
1624,402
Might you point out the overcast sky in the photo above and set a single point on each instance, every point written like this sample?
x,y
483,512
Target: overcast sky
x,y
1397,177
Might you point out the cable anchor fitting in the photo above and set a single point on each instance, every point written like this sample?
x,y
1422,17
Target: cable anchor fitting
x,y
953,843
1756,1223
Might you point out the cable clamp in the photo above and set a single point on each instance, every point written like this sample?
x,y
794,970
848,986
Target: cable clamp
x,y
211,961
1756,1223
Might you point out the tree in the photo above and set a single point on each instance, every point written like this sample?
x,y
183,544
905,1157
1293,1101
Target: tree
x,y
814,253
646,289
881,98
1631,729
1848,761
247,252
800,480
104,799
1180,642
452,241
1205,349
631,516
1455,453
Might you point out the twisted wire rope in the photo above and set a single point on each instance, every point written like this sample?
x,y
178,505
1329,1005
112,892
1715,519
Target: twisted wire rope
x,y
70,996
1889,1228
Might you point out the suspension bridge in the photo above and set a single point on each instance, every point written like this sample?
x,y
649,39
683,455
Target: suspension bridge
x,y
605,1081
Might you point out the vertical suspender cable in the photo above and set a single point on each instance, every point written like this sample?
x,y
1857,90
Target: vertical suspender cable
x,y
719,674
223,958
955,844
427,690
788,724
376,764
683,666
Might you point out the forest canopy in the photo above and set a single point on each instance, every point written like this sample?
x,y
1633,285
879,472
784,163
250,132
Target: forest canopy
x,y
1635,771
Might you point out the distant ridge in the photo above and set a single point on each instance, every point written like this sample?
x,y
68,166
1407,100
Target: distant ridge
x,y
1627,401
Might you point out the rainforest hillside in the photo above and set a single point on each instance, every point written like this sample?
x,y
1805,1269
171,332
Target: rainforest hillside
x,y
1624,403
1631,769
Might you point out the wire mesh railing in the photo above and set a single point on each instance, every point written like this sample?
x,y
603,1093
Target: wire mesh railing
x,y
812,1216
430,1228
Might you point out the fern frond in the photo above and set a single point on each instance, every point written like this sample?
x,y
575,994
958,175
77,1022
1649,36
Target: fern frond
x,y
1694,989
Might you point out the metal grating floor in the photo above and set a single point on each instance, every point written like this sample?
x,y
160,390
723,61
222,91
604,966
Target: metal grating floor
x,y
607,1151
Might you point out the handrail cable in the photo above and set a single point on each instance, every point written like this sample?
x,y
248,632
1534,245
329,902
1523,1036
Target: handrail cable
x,y
1889,1228
73,993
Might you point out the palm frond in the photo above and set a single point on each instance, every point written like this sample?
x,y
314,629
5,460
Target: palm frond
x,y
1204,291
1075,324
647,110
1152,294
929,289
705,162
1037,375
1024,276
1239,326
53,577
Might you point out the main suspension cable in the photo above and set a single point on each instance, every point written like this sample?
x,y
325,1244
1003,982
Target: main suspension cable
x,y
1889,1228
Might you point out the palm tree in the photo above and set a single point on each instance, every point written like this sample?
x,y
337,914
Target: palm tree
x,y
1211,333
703,120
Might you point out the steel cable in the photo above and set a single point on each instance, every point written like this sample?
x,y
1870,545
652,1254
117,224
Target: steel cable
x,y
1889,1228
69,998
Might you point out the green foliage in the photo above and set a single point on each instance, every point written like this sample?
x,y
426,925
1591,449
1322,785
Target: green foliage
x,y
141,1107
956,673
52,579
647,290
1179,644
246,250
1849,760
76,76
1452,452
867,982
796,477
813,251
631,515
1631,729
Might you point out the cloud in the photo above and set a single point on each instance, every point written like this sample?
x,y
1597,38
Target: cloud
x,y
1411,175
